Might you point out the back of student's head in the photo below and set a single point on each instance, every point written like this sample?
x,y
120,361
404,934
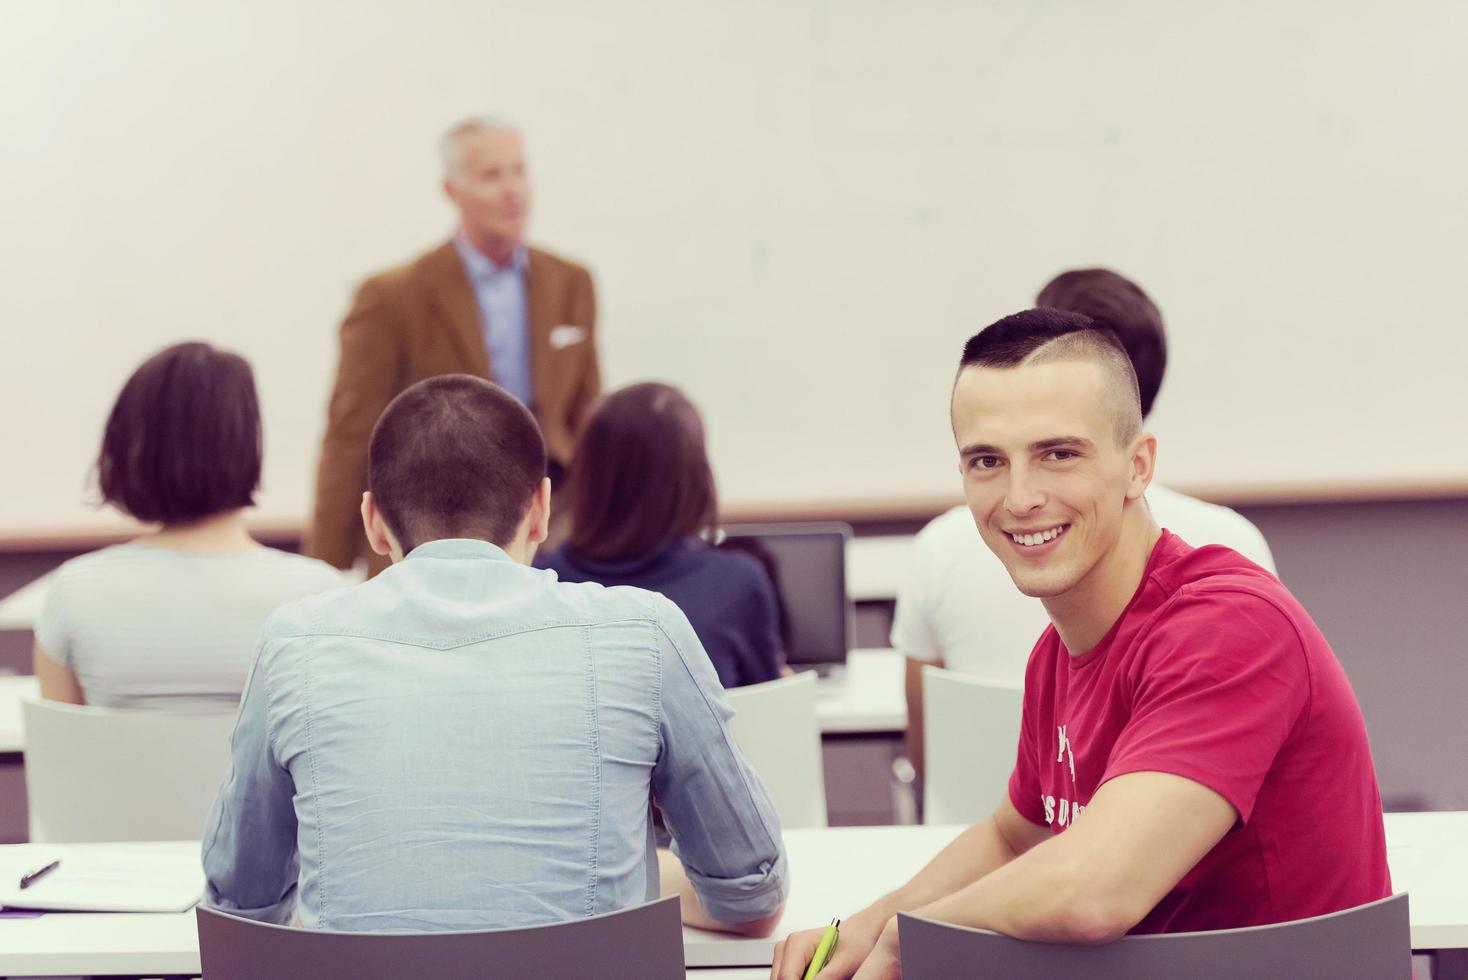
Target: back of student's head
x,y
640,477
1042,336
1118,304
455,457
183,439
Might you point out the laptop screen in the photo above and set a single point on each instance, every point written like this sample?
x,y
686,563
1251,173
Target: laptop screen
x,y
807,563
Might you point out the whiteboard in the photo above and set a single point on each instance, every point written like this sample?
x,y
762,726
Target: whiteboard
x,y
795,210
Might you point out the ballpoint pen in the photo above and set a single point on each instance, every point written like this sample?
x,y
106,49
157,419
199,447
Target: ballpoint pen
x,y
823,951
29,879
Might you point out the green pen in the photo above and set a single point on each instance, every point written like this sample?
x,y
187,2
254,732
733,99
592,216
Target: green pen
x,y
823,951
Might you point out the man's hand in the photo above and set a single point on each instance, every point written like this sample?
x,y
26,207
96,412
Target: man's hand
x,y
860,934
885,961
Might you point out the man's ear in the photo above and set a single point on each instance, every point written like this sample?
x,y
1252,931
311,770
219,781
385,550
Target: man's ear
x,y
1143,465
540,510
379,536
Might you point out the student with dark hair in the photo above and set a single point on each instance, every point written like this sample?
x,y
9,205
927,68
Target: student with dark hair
x,y
1117,304
169,620
1191,755
956,607
464,742
642,500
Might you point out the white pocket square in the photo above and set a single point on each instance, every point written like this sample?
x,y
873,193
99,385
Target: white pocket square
x,y
565,335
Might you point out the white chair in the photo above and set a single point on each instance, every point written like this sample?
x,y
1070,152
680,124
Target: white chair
x,y
97,774
776,728
970,737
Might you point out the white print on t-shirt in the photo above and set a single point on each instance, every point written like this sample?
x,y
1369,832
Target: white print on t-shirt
x,y
1065,751
1068,810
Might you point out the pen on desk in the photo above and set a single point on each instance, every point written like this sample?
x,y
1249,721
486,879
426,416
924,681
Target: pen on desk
x,y
823,951
27,880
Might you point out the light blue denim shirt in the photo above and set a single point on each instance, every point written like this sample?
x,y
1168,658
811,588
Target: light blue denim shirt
x,y
504,315
464,742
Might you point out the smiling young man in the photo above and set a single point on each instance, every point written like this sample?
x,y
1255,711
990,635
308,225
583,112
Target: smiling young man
x,y
1191,755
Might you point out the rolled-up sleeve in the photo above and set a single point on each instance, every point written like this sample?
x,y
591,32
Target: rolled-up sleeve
x,y
250,859
723,824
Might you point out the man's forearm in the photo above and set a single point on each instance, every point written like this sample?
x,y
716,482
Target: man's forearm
x,y
1141,833
976,852
1035,897
673,880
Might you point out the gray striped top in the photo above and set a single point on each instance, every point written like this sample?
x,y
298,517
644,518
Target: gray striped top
x,y
151,627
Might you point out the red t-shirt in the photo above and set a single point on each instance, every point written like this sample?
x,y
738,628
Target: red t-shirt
x,y
1214,672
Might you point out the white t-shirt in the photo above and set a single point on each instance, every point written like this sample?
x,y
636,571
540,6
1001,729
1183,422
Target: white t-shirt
x,y
150,627
960,607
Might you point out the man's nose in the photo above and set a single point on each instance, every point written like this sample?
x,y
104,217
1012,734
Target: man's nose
x,y
1024,494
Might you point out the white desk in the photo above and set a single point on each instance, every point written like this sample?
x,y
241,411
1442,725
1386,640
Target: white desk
x,y
834,872
865,697
875,567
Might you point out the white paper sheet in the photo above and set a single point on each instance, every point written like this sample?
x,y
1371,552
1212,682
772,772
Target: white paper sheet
x,y
137,877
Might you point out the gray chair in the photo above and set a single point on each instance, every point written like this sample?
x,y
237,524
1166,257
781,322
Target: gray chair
x,y
642,943
1370,942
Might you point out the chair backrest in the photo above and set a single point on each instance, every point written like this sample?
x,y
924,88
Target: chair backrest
x,y
970,736
1370,942
641,943
776,727
97,774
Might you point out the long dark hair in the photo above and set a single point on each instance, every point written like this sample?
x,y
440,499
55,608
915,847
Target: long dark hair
x,y
640,477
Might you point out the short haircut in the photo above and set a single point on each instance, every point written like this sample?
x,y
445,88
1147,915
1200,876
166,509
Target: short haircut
x,y
1119,305
183,439
451,147
1043,336
455,457
641,476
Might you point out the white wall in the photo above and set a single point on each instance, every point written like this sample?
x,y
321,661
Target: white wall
x,y
796,210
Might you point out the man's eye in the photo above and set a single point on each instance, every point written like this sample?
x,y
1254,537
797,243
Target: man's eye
x,y
1061,455
984,462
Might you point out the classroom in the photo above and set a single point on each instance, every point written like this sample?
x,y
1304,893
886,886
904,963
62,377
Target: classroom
x,y
588,490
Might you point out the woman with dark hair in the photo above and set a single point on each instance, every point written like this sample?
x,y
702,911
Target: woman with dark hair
x,y
642,498
170,619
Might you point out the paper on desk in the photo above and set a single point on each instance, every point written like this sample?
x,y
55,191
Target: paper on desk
x,y
142,877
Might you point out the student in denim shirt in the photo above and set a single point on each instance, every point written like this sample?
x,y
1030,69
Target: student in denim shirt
x,y
463,742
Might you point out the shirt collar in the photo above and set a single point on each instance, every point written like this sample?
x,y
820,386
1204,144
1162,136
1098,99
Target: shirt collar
x,y
481,267
457,548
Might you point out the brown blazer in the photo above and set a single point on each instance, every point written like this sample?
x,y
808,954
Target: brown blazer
x,y
420,320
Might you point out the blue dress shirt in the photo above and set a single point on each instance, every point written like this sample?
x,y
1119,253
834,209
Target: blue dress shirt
x,y
504,313
464,742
